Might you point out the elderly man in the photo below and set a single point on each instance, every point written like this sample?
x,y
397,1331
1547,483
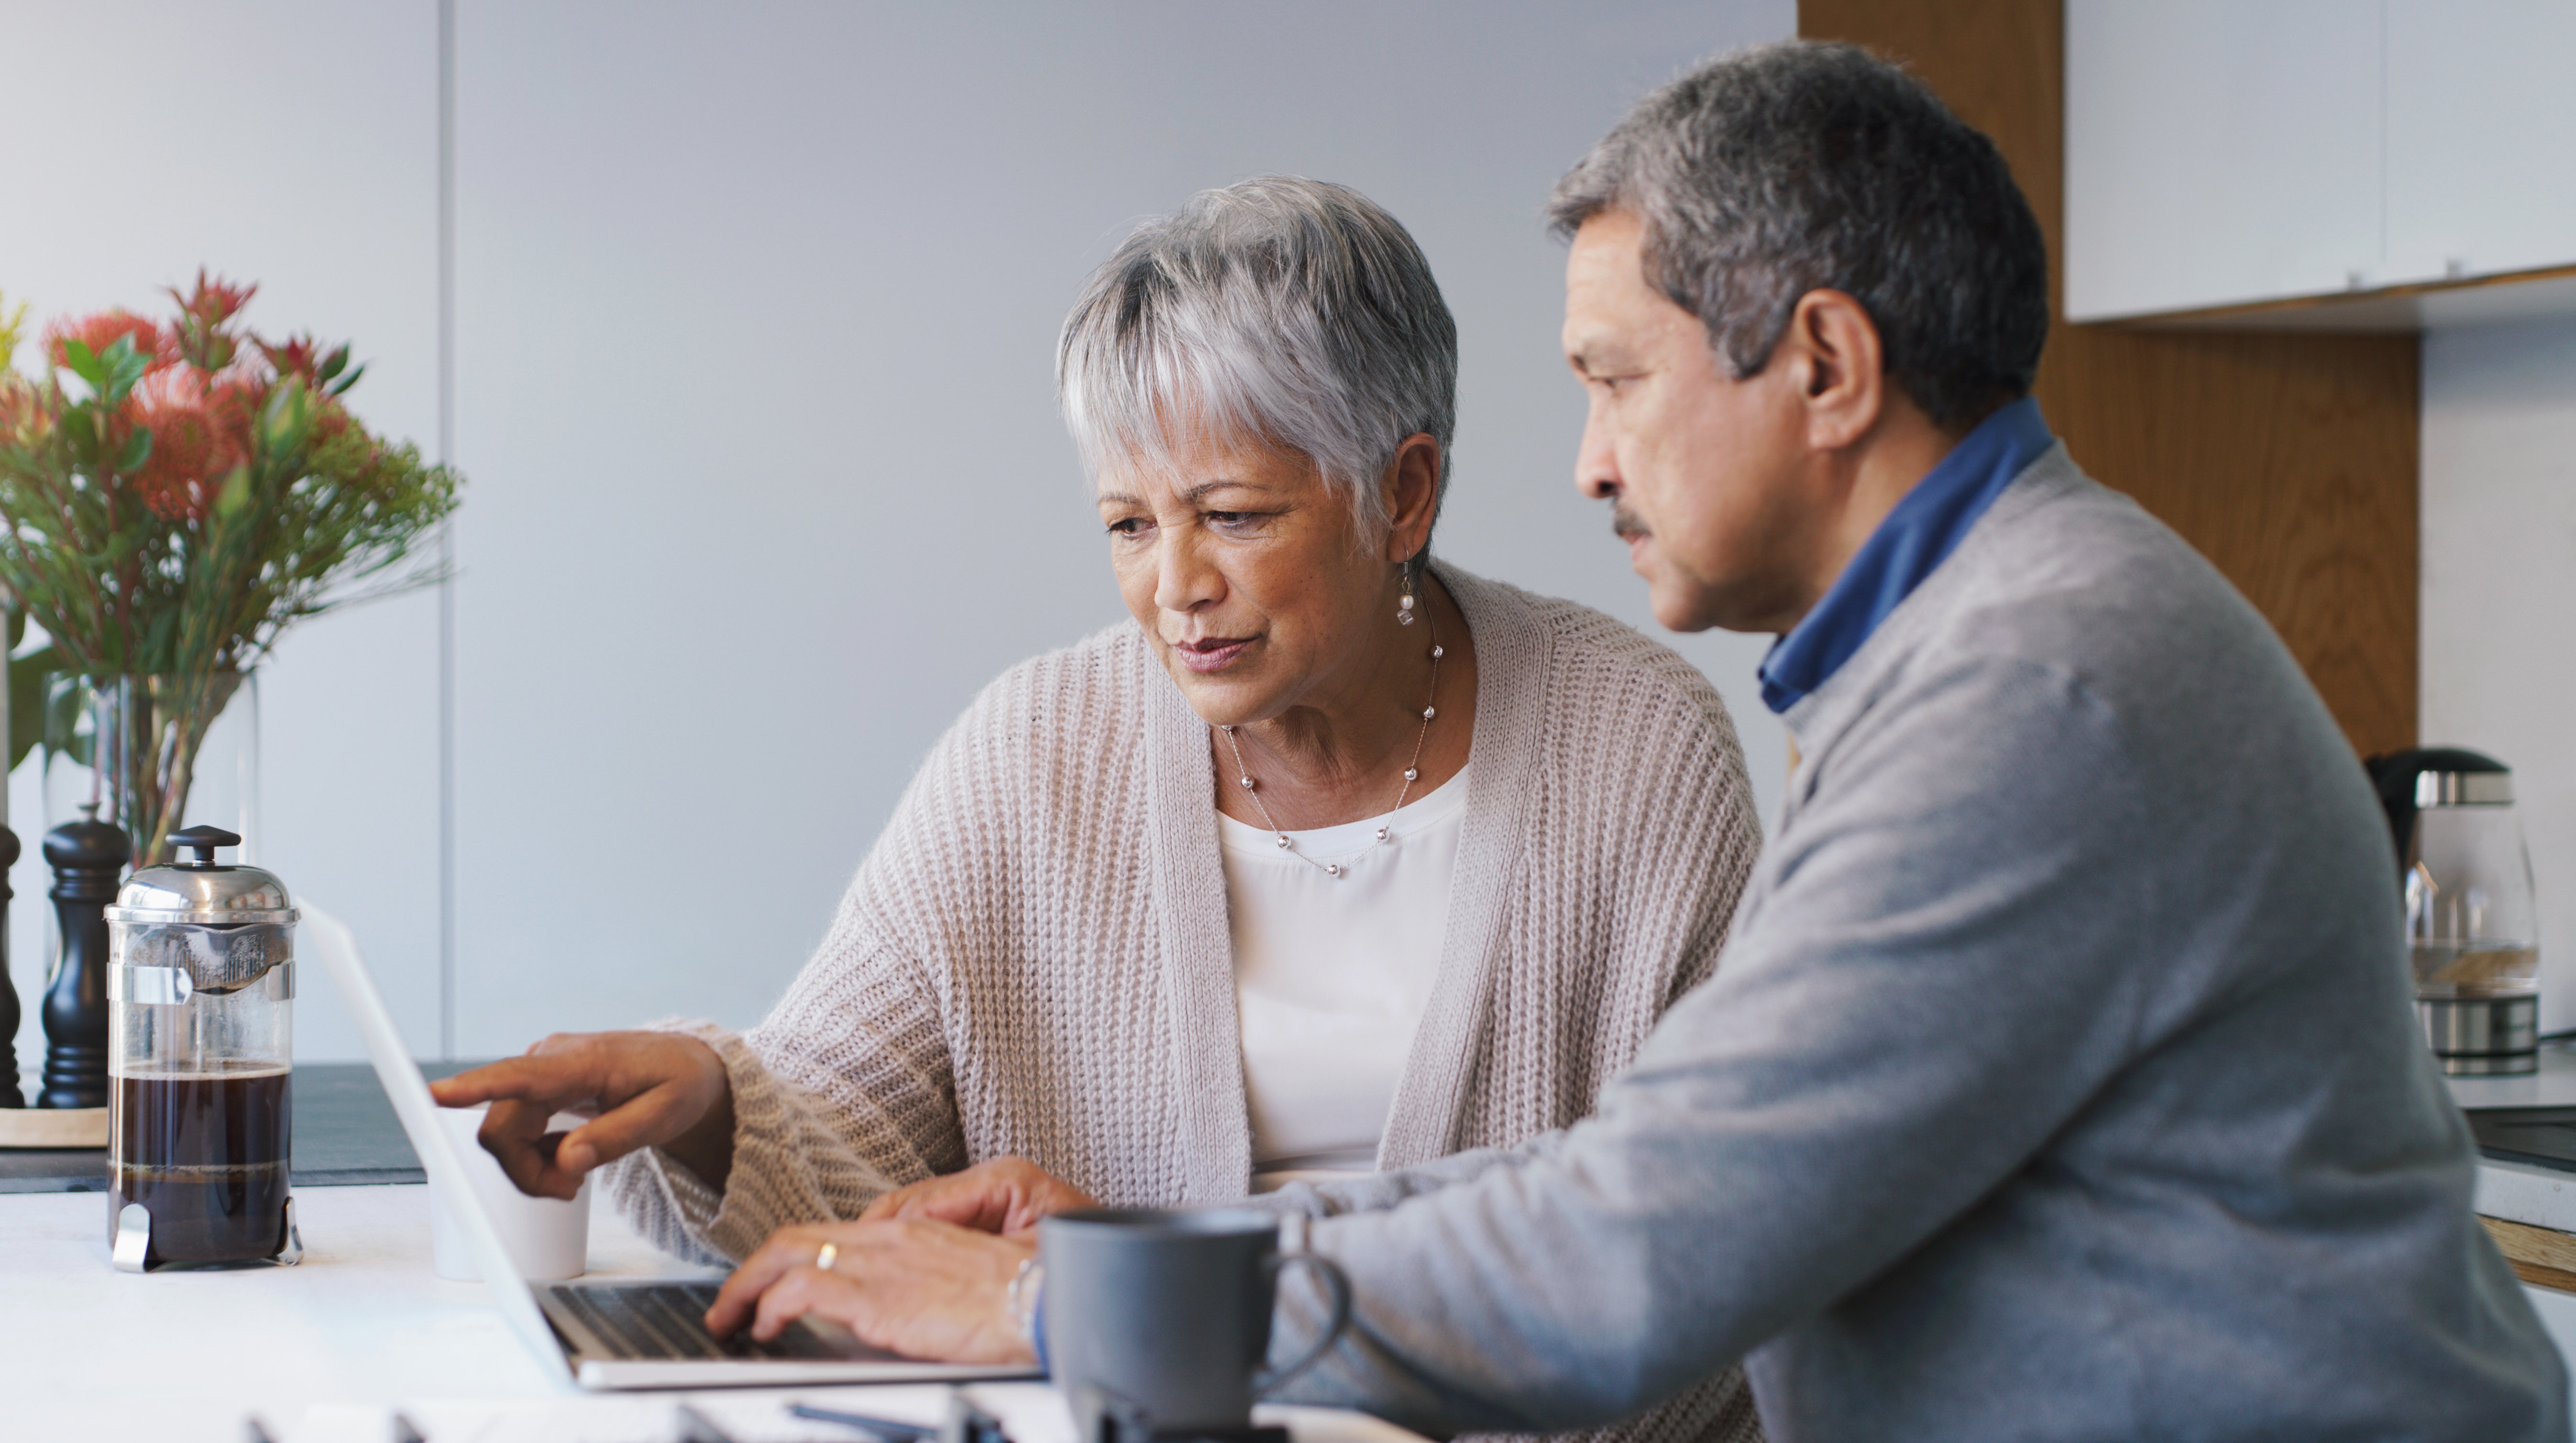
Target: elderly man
x,y
2060,1078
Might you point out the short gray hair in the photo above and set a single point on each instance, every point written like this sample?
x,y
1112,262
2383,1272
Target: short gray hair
x,y
1774,171
1281,310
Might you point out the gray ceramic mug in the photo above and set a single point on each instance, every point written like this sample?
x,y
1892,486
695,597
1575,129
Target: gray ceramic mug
x,y
1167,1314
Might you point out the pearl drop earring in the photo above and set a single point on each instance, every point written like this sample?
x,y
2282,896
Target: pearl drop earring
x,y
1404,603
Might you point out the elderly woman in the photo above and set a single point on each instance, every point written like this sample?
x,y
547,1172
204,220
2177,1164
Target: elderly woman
x,y
1332,859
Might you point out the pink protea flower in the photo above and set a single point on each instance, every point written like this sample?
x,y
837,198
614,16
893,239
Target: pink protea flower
x,y
200,335
214,300
100,331
200,432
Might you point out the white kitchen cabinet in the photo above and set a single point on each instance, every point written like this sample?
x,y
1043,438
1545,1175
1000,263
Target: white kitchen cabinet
x,y
2481,136
2224,153
2219,152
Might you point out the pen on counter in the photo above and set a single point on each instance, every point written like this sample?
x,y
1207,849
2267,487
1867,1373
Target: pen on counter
x,y
966,1423
884,1430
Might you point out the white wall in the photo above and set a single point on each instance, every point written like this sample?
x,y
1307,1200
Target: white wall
x,y
295,143
2499,585
754,310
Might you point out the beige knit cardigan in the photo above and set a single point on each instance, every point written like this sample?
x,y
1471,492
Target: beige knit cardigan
x,y
1034,959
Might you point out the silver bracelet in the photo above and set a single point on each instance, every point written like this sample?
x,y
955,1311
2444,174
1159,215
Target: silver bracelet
x,y
1026,1286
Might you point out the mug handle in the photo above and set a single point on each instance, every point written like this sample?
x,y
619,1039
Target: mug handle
x,y
1335,1284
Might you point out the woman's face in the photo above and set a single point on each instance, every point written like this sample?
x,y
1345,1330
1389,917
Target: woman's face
x,y
1252,578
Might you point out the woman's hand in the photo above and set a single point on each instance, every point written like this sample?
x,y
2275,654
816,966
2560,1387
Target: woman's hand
x,y
639,1090
920,1288
926,1271
1006,1195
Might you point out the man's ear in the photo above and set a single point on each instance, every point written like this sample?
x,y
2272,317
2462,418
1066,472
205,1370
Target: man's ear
x,y
1412,494
1833,348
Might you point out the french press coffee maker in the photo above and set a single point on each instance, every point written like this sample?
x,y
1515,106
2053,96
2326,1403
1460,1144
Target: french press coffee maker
x,y
2472,925
201,994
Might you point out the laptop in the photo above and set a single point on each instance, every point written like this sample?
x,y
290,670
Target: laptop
x,y
604,1334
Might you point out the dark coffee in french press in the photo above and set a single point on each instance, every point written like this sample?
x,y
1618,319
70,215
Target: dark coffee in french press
x,y
205,1153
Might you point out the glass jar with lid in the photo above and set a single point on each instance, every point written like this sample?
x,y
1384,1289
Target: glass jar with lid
x,y
2472,923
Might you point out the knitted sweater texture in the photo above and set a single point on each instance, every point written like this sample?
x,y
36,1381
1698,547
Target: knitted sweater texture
x,y
1034,959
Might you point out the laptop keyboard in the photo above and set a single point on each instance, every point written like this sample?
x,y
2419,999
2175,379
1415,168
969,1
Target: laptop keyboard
x,y
667,1320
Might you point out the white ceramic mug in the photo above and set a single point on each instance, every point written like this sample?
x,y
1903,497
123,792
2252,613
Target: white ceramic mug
x,y
548,1238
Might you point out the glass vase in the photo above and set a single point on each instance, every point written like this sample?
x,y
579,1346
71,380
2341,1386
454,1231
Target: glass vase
x,y
153,755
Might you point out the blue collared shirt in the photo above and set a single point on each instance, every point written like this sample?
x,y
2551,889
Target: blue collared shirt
x,y
1922,530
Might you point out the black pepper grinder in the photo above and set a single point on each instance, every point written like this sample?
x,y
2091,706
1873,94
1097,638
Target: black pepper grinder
x,y
10,1096
88,857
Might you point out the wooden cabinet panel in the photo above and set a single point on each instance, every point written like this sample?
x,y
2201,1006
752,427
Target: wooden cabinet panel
x,y
2220,152
2542,1257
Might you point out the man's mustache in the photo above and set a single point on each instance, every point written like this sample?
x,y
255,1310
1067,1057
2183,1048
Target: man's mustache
x,y
1625,525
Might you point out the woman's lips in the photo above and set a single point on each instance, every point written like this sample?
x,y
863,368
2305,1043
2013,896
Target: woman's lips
x,y
1212,653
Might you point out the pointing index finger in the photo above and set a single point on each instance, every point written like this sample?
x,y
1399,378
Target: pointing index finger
x,y
550,1081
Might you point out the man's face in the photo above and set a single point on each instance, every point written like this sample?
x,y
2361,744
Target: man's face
x,y
1703,471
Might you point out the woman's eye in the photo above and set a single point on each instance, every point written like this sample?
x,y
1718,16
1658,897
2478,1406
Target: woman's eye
x,y
1128,526
1235,520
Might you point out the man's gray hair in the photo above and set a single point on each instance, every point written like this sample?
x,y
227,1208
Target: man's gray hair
x,y
1771,172
1278,310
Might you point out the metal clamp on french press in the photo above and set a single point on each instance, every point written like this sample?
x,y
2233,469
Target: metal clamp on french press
x,y
201,1046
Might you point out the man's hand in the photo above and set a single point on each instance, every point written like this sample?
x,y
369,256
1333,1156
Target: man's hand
x,y
920,1288
639,1090
1006,1195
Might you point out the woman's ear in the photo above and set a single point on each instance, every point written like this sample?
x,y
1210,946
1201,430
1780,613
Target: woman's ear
x,y
1412,494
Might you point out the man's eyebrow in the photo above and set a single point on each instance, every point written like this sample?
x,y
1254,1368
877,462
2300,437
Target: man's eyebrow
x,y
1591,357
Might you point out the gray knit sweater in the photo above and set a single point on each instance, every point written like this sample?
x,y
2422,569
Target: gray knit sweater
x,y
1034,959
2061,1079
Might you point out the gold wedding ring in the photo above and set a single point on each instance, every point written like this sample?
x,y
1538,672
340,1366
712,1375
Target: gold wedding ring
x,y
825,1256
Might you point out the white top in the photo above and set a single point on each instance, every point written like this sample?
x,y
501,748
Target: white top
x,y
1331,975
1037,953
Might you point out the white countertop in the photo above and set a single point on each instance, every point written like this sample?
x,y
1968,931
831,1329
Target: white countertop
x,y
2554,1085
326,1350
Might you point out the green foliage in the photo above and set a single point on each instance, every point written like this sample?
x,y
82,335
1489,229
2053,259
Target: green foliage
x,y
173,498
27,690
13,329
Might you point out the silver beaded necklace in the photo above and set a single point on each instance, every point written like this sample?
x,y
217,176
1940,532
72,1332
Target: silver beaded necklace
x,y
1412,769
